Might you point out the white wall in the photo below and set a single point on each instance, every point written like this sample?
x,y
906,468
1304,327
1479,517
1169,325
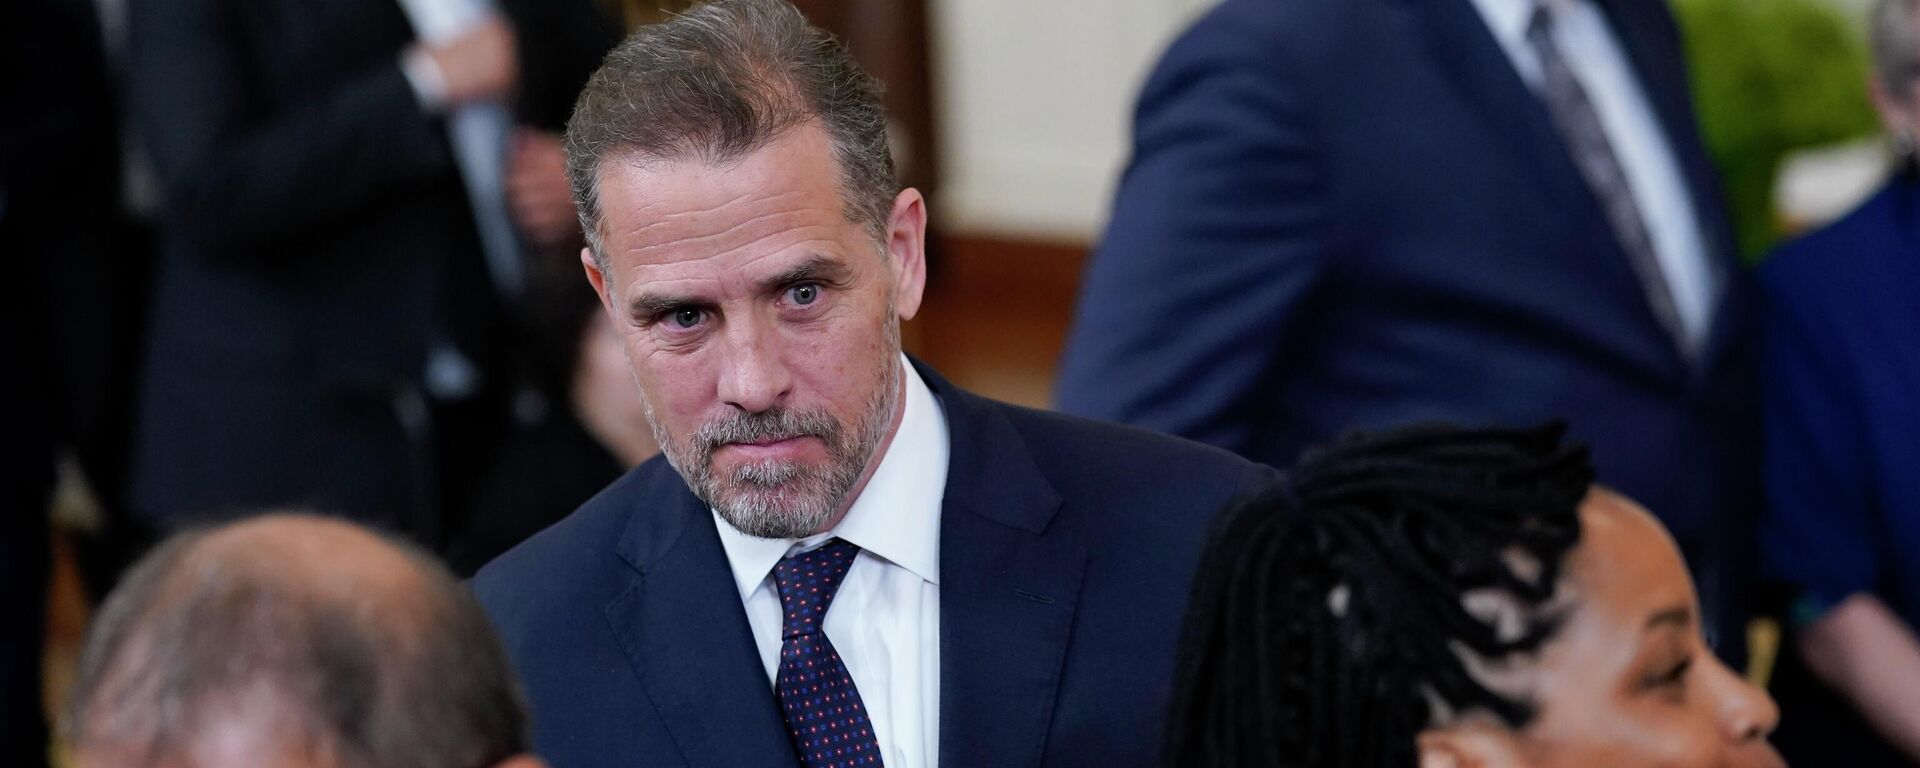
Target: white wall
x,y
1035,102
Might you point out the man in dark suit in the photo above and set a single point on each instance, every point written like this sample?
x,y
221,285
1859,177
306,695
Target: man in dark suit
x,y
331,227
1370,212
841,559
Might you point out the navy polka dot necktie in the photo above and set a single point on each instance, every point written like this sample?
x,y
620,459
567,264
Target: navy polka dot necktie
x,y
825,717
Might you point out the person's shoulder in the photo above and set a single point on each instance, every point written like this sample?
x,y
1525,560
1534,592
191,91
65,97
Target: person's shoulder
x,y
1262,32
1113,455
573,556
1833,260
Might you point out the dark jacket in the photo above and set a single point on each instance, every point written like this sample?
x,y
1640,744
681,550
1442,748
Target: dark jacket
x,y
1067,551
1357,214
316,238
1843,448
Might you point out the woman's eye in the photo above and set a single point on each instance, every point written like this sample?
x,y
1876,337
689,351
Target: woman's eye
x,y
803,295
1672,677
686,318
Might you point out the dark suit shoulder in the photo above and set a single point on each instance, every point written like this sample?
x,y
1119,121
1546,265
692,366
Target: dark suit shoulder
x,y
571,558
1822,277
1115,456
1292,31
1858,241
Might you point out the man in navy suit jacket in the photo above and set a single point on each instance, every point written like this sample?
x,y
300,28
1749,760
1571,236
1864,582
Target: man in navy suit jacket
x,y
1368,212
840,559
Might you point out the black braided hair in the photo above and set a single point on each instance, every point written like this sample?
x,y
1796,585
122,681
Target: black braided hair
x,y
1328,610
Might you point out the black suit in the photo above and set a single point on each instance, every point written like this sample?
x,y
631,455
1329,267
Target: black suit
x,y
317,237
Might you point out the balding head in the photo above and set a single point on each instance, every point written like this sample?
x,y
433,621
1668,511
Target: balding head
x,y
299,641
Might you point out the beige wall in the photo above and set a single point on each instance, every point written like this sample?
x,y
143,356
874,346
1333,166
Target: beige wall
x,y
1035,98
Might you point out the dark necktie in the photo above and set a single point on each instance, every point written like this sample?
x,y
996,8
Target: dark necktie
x,y
1579,126
825,718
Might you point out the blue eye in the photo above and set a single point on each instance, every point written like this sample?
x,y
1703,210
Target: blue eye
x,y
804,294
686,318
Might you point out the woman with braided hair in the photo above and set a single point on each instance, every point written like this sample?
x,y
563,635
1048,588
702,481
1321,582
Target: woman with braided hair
x,y
1439,597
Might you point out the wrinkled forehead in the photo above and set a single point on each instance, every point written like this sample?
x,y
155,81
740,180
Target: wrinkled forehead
x,y
661,211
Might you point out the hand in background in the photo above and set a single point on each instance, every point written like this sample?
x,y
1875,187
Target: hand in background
x,y
537,189
482,64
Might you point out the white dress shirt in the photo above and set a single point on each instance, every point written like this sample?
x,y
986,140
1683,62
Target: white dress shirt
x,y
885,620
1591,50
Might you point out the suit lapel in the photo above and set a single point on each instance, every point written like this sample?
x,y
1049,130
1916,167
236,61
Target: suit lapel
x,y
686,635
1009,581
1472,60
1646,33
1466,53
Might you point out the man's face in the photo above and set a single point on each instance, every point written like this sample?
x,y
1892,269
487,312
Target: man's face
x,y
762,324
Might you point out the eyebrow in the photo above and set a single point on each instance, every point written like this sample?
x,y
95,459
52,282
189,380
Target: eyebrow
x,y
651,305
817,268
1679,617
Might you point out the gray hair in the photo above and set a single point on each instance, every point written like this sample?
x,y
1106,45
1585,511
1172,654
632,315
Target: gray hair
x,y
415,679
1896,45
720,81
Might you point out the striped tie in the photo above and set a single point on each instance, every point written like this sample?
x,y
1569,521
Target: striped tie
x,y
1579,126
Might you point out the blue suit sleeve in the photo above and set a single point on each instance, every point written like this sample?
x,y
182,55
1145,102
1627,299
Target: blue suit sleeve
x,y
1217,241
1817,531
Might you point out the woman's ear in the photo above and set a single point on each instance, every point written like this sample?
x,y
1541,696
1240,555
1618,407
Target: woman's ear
x,y
1469,745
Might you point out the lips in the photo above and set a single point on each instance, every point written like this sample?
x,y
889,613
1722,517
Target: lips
x,y
774,448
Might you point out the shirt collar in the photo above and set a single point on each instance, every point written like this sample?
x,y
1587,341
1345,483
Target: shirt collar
x,y
896,517
1508,19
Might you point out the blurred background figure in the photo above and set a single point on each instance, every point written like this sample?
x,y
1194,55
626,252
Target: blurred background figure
x,y
586,427
76,268
297,641
352,195
1842,523
1447,598
1495,211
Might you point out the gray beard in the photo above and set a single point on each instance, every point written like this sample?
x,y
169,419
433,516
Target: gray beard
x,y
785,499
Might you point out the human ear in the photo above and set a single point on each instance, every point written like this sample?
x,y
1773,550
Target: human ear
x,y
907,250
1896,114
596,277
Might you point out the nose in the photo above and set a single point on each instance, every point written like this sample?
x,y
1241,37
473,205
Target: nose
x,y
1747,713
754,375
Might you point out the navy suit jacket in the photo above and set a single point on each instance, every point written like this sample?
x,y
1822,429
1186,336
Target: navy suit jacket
x,y
1067,549
1357,214
1843,449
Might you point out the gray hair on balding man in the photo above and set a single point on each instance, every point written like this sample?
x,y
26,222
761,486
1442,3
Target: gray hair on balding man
x,y
294,640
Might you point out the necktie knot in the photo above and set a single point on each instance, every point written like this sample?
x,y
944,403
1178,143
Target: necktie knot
x,y
807,583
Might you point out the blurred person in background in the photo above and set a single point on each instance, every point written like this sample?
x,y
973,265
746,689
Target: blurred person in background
x,y
294,641
587,427
1453,598
351,192
1841,531
75,267
1376,212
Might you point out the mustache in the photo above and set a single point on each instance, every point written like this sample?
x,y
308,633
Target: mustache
x,y
764,427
